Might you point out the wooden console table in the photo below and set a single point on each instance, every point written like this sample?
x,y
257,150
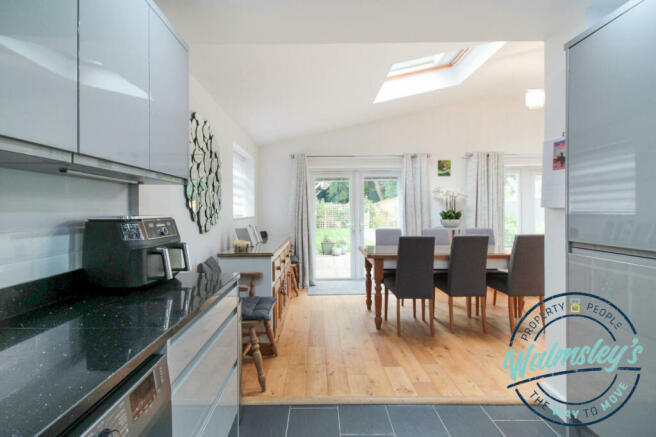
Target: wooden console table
x,y
272,259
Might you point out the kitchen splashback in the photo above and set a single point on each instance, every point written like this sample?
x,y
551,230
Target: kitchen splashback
x,y
42,218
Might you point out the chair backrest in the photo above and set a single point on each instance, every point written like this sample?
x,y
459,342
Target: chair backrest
x,y
481,231
388,237
526,267
467,265
414,268
441,235
210,265
244,234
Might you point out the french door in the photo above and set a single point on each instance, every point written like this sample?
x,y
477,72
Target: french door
x,y
347,207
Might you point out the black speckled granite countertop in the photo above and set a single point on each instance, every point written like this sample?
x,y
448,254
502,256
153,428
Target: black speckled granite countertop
x,y
57,361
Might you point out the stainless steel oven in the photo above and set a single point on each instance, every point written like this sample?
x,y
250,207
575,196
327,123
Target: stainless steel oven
x,y
139,406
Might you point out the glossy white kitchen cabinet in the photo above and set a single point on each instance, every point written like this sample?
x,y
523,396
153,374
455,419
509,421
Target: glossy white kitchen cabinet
x,y
205,389
38,71
627,282
114,74
169,100
611,96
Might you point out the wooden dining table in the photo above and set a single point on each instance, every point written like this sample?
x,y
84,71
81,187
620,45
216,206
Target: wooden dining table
x,y
382,257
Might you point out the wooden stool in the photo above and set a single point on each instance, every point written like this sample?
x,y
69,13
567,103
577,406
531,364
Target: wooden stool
x,y
256,312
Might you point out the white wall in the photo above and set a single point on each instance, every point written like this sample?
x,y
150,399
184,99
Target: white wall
x,y
169,200
448,132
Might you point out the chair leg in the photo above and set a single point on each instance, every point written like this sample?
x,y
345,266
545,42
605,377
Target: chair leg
x,y
431,314
468,307
386,294
423,310
269,332
257,357
398,317
521,306
477,304
511,313
451,325
542,315
402,302
294,283
494,298
483,315
414,308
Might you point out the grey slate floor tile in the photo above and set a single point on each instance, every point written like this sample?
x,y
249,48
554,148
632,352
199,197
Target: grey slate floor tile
x,y
364,419
416,421
466,421
525,429
263,421
313,422
510,412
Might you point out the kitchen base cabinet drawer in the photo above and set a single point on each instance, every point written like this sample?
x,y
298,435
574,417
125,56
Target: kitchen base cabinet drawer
x,y
184,347
225,411
198,387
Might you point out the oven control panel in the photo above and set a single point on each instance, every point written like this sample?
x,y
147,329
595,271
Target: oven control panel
x,y
141,407
148,229
159,228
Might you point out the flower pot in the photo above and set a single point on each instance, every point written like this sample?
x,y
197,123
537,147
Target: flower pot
x,y
450,223
337,250
327,247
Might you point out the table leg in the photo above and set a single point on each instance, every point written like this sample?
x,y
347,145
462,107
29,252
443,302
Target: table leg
x,y
378,299
367,268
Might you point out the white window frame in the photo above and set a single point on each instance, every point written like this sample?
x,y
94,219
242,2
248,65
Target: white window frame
x,y
248,187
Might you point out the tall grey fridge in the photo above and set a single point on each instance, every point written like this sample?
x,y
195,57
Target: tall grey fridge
x,y
611,174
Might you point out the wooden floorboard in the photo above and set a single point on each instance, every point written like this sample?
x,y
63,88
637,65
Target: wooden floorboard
x,y
330,352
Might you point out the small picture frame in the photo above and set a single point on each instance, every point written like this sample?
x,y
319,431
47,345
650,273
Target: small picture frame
x,y
444,167
559,155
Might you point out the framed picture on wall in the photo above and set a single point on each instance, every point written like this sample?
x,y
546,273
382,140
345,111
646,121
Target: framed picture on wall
x,y
444,167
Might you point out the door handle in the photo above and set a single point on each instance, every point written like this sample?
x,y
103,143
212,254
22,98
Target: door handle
x,y
166,261
185,255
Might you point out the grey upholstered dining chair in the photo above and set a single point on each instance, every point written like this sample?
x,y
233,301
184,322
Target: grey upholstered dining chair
x,y
413,278
481,231
491,242
525,275
466,274
388,237
441,235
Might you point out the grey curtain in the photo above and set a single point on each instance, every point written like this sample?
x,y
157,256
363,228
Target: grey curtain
x,y
302,222
484,205
416,193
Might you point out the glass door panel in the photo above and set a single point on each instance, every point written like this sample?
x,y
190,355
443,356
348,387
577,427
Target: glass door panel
x,y
381,206
332,229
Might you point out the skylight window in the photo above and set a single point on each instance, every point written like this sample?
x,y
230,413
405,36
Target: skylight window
x,y
430,73
426,64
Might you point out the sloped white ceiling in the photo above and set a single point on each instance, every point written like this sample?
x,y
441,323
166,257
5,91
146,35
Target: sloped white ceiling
x,y
284,69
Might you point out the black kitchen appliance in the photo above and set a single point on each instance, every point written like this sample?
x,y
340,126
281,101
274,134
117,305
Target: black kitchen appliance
x,y
140,406
131,251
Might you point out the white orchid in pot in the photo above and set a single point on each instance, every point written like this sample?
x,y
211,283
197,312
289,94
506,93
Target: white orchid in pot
x,y
450,215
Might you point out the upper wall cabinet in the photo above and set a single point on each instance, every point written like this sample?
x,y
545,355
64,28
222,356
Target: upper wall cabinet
x,y
114,92
38,71
169,100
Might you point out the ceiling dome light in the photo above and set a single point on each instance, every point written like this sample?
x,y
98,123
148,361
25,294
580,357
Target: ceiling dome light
x,y
534,99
